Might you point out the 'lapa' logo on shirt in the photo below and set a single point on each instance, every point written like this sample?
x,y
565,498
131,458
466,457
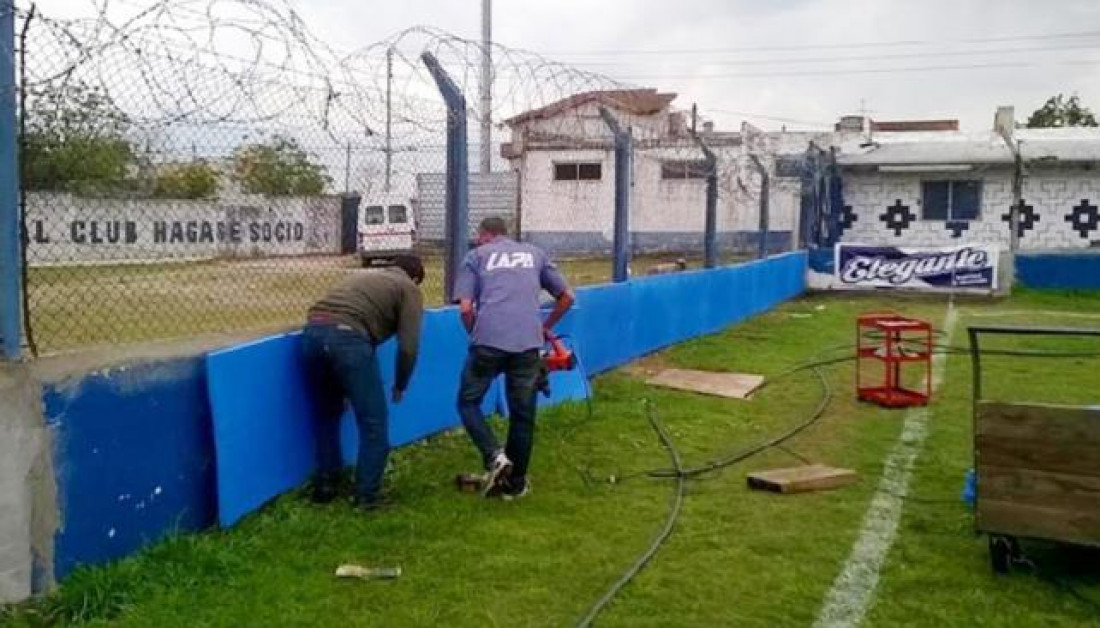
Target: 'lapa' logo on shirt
x,y
510,260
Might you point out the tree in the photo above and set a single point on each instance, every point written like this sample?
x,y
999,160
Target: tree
x,y
278,168
1059,111
75,141
193,180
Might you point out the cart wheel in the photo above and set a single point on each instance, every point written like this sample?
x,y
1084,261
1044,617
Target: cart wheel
x,y
1000,553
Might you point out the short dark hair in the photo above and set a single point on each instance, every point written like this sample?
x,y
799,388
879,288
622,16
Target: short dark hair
x,y
412,266
494,225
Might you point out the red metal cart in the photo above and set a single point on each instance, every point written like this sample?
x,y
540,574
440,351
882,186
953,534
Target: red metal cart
x,y
894,345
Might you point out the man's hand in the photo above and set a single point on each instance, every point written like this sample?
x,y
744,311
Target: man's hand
x,y
398,395
467,313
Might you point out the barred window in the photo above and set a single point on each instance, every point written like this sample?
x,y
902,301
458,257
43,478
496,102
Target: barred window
x,y
683,169
578,171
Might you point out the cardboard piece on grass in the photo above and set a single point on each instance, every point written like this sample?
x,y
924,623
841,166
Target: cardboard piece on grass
x,y
731,385
263,415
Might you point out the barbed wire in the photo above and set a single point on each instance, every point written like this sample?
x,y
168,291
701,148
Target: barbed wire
x,y
189,166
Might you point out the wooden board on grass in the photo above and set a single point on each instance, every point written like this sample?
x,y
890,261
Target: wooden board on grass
x,y
814,477
731,385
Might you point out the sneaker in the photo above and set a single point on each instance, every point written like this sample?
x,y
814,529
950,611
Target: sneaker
x,y
512,493
364,504
499,469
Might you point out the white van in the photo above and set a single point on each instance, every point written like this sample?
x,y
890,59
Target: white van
x,y
386,229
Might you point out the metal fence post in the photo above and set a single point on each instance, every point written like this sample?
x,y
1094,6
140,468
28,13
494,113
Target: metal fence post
x,y
11,312
457,229
764,208
710,226
623,154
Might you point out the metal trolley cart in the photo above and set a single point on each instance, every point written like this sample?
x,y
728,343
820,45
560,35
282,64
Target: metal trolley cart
x,y
1037,465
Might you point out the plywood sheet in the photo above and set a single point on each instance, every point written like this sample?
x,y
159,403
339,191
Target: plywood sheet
x,y
814,477
731,385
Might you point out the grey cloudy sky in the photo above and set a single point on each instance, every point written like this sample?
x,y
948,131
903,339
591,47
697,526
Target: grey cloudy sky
x,y
804,60
805,84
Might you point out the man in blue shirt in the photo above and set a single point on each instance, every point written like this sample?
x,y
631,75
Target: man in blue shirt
x,y
498,289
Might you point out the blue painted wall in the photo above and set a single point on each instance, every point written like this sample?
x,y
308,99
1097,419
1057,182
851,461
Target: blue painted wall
x,y
1063,271
134,455
134,459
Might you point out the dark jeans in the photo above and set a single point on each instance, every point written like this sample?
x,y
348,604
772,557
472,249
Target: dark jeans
x,y
341,364
521,372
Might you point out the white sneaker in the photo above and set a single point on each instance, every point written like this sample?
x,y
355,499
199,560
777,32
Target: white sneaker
x,y
499,469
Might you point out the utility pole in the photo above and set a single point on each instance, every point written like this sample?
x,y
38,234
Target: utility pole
x,y
347,170
486,86
1004,123
389,117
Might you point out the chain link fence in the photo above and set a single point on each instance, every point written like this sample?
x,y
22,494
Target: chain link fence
x,y
209,166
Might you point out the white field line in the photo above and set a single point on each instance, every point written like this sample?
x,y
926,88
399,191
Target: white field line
x,y
1030,313
852,592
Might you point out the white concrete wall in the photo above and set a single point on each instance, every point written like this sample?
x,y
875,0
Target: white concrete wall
x,y
27,512
568,206
1053,192
66,229
658,205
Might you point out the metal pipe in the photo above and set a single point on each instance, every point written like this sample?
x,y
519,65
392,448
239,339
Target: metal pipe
x,y
458,175
389,118
765,186
620,263
710,225
11,311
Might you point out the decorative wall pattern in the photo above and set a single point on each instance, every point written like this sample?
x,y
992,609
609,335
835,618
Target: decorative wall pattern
x,y
1059,210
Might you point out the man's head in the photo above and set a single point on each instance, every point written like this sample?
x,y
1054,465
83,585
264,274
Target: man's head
x,y
412,266
491,228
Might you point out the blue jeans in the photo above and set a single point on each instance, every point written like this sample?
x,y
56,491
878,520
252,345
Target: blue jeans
x,y
341,365
521,373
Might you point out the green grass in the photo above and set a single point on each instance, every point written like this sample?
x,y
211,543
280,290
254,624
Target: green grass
x,y
736,557
78,307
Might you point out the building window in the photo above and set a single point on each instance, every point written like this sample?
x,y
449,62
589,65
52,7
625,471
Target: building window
x,y
951,200
681,169
586,171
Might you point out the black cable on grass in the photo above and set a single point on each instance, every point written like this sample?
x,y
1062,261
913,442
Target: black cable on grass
x,y
815,365
748,452
662,536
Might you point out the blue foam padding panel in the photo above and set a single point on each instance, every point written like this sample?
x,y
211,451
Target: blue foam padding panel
x,y
263,432
604,333
133,458
1080,271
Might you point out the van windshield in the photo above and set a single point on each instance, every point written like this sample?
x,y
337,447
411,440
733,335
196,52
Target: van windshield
x,y
373,215
398,214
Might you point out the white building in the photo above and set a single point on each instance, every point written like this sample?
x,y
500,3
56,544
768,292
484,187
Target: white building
x,y
563,155
939,187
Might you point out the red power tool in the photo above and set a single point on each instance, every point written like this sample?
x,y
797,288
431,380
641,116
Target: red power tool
x,y
558,357
555,357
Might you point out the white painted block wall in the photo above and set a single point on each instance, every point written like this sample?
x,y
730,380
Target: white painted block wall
x,y
1052,193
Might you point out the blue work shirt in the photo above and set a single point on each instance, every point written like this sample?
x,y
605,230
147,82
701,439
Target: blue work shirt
x,y
504,279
